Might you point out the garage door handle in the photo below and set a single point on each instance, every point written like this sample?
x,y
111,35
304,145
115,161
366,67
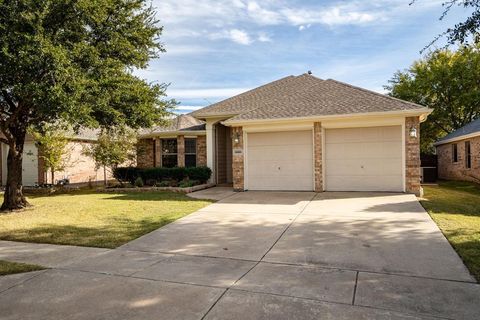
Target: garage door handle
x,y
278,168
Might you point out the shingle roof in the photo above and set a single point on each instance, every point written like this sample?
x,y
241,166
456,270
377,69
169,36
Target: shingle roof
x,y
182,122
303,96
472,127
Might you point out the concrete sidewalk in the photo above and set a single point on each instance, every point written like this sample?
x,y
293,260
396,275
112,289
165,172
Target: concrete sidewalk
x,y
257,255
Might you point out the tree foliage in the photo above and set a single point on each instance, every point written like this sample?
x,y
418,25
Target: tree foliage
x,y
72,61
113,148
447,81
52,143
463,32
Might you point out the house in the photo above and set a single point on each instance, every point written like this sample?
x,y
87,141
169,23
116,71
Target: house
x,y
80,168
298,133
458,154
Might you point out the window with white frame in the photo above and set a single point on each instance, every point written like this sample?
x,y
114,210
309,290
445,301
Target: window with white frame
x,y
190,152
169,153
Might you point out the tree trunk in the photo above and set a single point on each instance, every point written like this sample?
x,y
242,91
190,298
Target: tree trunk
x,y
104,176
13,198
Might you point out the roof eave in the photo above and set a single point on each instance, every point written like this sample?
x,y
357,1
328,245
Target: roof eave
x,y
421,112
173,133
459,138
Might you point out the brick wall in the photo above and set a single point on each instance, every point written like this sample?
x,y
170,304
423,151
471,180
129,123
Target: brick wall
x,y
145,153
412,156
449,170
80,168
201,151
238,165
317,144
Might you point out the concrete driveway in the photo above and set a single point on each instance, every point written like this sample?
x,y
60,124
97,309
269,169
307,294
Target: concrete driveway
x,y
261,255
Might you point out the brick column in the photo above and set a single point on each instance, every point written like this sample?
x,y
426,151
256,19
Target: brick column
x,y
412,156
238,159
41,167
201,151
158,152
317,143
145,153
181,151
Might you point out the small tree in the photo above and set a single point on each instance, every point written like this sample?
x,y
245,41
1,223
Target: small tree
x,y
53,143
113,148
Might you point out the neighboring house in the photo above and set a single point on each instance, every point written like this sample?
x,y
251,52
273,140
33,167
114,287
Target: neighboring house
x,y
298,133
459,154
80,169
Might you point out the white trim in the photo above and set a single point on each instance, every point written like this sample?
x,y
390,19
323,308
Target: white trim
x,y
422,112
313,158
404,156
245,165
172,134
460,138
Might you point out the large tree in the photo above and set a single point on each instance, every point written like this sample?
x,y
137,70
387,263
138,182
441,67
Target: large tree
x,y
463,32
447,81
72,61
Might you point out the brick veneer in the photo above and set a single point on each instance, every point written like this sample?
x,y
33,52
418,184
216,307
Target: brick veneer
x,y
145,154
158,152
181,151
201,151
238,165
317,144
449,170
412,156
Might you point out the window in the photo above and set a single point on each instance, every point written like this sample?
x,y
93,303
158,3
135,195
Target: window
x,y
169,153
190,152
468,155
454,153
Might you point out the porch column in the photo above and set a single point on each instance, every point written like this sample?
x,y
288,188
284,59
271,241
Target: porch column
x,y
317,144
238,166
412,157
210,137
181,151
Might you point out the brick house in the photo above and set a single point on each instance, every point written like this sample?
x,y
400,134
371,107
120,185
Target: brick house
x,y
298,133
459,154
80,168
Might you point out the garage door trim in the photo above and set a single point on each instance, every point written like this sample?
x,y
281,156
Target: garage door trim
x,y
358,124
248,131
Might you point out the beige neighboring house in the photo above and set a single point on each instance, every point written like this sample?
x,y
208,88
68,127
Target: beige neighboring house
x,y
298,133
80,169
459,154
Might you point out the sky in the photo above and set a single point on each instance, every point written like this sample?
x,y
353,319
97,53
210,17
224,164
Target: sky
x,y
216,49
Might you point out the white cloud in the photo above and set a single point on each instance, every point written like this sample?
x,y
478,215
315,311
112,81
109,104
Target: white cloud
x,y
239,36
263,37
263,16
339,15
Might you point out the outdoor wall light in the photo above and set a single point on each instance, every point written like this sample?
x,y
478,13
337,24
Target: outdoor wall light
x,y
413,132
236,137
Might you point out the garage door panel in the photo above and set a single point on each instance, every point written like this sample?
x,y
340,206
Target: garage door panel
x,y
280,161
364,159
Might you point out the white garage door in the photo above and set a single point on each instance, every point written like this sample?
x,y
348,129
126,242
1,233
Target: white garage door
x,y
364,159
280,161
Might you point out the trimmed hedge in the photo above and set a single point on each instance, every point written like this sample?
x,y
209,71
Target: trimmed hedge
x,y
131,174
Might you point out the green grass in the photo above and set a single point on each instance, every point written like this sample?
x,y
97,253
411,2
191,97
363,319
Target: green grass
x,y
455,207
7,267
93,219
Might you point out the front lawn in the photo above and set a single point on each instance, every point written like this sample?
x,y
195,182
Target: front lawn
x,y
7,267
455,207
87,218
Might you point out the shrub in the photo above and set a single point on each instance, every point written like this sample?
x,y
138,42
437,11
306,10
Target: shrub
x,y
139,182
201,174
153,176
126,174
164,183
